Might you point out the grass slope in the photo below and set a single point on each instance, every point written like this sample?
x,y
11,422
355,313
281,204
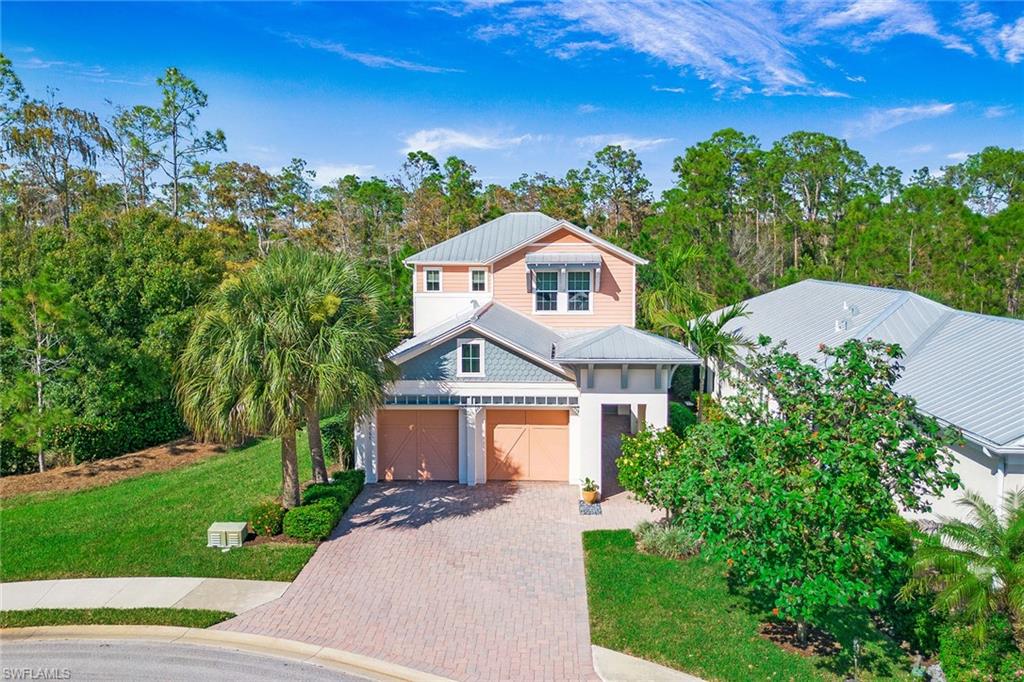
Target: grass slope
x,y
681,614
189,618
154,525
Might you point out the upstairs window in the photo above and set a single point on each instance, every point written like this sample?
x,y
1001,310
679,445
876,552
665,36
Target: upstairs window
x,y
546,291
471,357
433,278
478,280
579,291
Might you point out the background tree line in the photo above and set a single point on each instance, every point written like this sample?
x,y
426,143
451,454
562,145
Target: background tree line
x,y
115,225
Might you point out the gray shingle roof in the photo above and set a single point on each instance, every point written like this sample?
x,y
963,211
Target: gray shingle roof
x,y
620,344
483,243
963,368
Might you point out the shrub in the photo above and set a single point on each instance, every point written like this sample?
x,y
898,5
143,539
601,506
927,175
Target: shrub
x,y
337,433
313,522
680,418
906,618
94,438
16,460
964,658
670,541
267,518
344,487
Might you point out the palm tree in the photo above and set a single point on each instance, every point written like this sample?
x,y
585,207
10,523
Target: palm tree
x,y
706,336
976,566
298,333
671,288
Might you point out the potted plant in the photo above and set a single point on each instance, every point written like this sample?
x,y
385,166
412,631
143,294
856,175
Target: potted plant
x,y
589,491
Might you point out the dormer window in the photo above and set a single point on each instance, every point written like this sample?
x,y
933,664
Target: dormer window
x,y
478,280
471,357
579,291
433,279
546,291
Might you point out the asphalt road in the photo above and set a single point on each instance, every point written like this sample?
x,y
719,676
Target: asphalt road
x,y
141,660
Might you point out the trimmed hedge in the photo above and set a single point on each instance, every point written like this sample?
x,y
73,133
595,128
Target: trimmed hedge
x,y
104,437
344,487
313,522
267,518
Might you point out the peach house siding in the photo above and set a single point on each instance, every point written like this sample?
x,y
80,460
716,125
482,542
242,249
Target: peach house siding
x,y
612,304
454,278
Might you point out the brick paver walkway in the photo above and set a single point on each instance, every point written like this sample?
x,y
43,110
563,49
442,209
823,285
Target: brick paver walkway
x,y
481,583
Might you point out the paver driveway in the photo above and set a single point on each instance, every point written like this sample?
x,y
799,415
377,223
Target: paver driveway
x,y
482,583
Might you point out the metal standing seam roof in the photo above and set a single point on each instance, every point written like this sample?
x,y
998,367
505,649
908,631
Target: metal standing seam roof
x,y
486,242
621,344
963,368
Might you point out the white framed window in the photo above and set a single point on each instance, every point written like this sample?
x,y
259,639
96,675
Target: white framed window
x,y
432,279
470,358
545,291
578,286
478,280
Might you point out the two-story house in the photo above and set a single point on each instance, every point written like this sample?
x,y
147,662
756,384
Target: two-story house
x,y
524,364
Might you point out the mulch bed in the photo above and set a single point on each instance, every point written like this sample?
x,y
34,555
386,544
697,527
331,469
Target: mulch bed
x,y
103,472
784,634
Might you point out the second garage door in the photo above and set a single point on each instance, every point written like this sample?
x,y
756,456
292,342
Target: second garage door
x,y
418,445
527,445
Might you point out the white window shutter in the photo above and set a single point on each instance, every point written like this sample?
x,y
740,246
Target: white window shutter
x,y
595,279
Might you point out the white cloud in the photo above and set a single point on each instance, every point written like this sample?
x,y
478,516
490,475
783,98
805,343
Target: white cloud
x,y
1001,42
587,108
94,73
658,88
727,44
440,140
571,50
637,144
328,173
490,32
886,19
374,61
827,92
958,156
919,149
998,111
880,120
1011,37
857,79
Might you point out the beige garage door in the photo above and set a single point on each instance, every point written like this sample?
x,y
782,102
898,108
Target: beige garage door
x,y
527,445
418,445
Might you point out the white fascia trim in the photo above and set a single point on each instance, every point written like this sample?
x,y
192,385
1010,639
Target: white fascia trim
x,y
455,331
429,387
565,224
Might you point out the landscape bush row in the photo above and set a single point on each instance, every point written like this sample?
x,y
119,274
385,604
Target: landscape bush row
x,y
323,505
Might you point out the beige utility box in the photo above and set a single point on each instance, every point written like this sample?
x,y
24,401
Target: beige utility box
x,y
227,534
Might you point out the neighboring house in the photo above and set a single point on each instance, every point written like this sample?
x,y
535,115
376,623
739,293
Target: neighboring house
x,y
524,363
964,369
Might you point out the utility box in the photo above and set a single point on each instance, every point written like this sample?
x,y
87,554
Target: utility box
x,y
227,534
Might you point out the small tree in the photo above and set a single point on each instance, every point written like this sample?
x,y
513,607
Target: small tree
x,y
976,566
796,489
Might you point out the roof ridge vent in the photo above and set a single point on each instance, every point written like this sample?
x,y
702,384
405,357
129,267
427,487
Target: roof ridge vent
x,y
842,325
851,308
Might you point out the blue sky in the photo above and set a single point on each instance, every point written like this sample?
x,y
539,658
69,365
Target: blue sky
x,y
518,88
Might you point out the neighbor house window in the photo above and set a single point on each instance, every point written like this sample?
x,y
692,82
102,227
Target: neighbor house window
x,y
478,280
546,291
433,280
471,357
579,291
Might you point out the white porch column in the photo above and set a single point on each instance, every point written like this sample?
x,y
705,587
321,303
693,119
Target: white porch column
x,y
472,446
590,437
575,445
366,446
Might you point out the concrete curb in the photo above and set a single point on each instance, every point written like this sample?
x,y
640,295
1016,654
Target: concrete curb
x,y
615,666
334,659
219,594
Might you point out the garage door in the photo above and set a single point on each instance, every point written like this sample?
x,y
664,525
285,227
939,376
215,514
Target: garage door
x,y
527,445
418,445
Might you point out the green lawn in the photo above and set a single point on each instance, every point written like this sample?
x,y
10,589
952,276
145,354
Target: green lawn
x,y
154,525
681,614
190,618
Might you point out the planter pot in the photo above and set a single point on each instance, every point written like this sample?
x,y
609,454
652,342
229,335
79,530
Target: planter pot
x,y
589,496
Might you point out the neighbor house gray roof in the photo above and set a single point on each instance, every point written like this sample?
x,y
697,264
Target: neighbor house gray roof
x,y
486,242
620,344
963,368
